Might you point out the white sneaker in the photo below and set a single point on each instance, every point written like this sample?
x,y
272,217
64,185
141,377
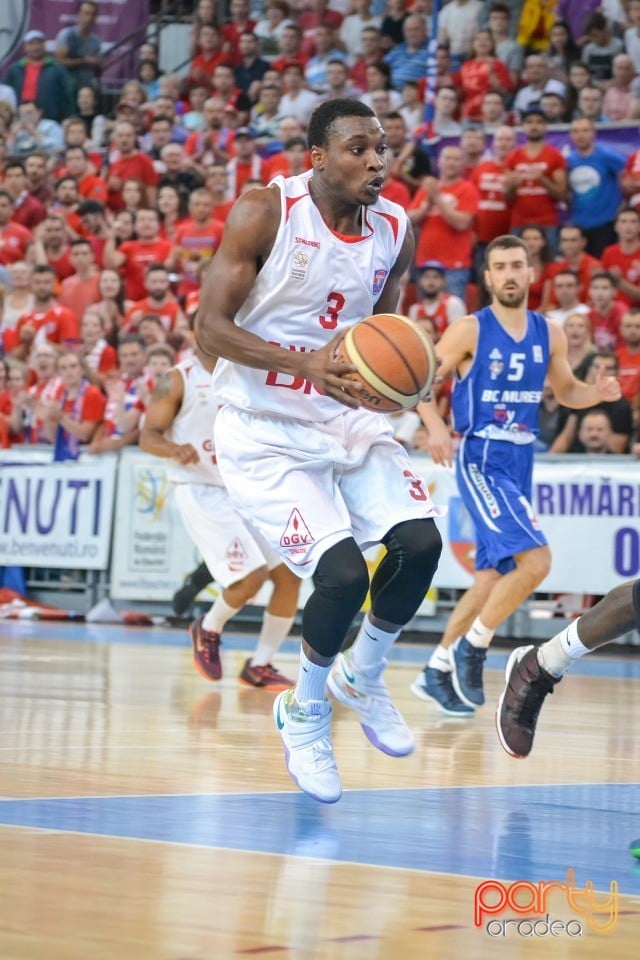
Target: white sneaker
x,y
367,694
307,748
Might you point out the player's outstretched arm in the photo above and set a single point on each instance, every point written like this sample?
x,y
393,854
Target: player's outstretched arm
x,y
568,390
163,407
249,234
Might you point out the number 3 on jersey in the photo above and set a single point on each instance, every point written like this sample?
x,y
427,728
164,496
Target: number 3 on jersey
x,y
335,303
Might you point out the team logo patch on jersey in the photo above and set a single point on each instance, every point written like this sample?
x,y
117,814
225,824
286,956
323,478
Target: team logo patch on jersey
x,y
497,365
537,353
236,556
480,484
379,278
299,264
296,533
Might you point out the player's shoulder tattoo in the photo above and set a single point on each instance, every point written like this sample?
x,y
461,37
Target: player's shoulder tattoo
x,y
162,388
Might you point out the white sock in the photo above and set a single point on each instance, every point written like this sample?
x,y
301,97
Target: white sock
x,y
273,631
440,660
372,644
556,654
312,682
218,615
478,635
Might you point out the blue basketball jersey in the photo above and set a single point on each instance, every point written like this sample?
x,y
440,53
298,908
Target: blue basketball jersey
x,y
499,398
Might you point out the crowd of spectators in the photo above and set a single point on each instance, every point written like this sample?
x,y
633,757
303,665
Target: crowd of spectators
x,y
109,217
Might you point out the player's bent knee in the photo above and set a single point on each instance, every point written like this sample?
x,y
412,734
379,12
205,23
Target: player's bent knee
x,y
417,540
341,583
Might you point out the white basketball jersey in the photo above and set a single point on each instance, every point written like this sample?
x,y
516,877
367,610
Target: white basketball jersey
x,y
194,425
314,284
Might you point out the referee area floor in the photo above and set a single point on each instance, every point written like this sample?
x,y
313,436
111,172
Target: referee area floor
x,y
146,814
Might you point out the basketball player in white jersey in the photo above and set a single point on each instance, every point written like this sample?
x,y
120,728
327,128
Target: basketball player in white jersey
x,y
300,262
178,427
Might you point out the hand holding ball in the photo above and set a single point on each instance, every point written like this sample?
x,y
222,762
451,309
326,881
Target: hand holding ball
x,y
394,359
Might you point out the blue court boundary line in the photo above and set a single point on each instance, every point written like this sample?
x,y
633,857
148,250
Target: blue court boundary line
x,y
619,667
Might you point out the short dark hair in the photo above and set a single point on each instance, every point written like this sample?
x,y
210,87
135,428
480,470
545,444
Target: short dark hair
x,y
507,241
90,206
7,196
603,275
572,226
567,273
156,266
81,242
132,338
78,146
14,164
43,268
324,117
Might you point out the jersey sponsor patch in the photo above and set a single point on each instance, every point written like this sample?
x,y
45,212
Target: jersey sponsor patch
x,y
480,484
296,533
379,278
236,556
537,353
299,263
497,364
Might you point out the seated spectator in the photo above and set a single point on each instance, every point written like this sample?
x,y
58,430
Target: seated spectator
x,y
251,67
266,115
315,70
488,177
15,240
317,14
632,33
554,107
458,24
297,100
589,106
446,109
214,144
395,13
98,357
595,434
565,288
134,256
602,47
31,131
473,143
159,300
622,259
38,77
177,175
270,28
82,289
52,246
412,109
90,186
292,161
205,13
194,119
225,87
19,298
580,347
212,53
73,417
354,25
551,419
95,123
409,59
493,111
246,164
435,304
535,240
151,330
579,78
628,354
408,162
338,83
134,195
127,393
148,75
606,311
75,135
93,225
48,320
27,211
128,162
240,22
507,50
15,402
539,82
572,244
619,412
65,204
111,306
170,210
481,73
160,359
616,105
290,49
78,49
38,177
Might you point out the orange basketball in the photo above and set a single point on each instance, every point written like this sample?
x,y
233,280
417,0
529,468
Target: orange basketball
x,y
394,359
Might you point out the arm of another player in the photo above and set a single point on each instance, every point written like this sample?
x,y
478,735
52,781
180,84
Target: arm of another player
x,y
388,300
249,234
161,412
455,351
569,391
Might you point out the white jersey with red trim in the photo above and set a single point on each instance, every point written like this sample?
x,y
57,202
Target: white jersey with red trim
x,y
313,284
194,424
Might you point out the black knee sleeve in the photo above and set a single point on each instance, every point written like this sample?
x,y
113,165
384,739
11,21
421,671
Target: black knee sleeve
x,y
405,573
341,582
636,603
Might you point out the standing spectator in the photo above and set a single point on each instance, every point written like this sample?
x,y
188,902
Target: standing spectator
x,y
630,179
538,181
392,24
290,49
616,105
52,246
48,320
354,25
111,306
27,211
493,112
535,240
95,123
38,178
270,29
488,177
606,312
90,187
97,356
73,417
171,209
572,247
93,222
435,303
297,100
481,73
240,23
252,67
15,239
129,162
628,354
412,109
580,347
325,50
538,82
214,143
565,287
159,300
590,100
507,50
562,52
82,289
408,60
247,164
216,184
595,192
619,412
19,299
212,54
445,209
598,54
408,162
457,25
39,78
622,259
632,34
134,256
78,49
196,241
266,115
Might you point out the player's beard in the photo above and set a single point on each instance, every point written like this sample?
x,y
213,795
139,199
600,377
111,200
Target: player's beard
x,y
511,298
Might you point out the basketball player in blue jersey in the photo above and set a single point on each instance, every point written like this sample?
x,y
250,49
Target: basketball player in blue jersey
x,y
533,673
300,262
500,357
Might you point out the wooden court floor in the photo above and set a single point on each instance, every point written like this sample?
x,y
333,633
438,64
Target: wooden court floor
x,y
147,815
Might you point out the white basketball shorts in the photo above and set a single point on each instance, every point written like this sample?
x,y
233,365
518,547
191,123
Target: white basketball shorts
x,y
229,547
307,486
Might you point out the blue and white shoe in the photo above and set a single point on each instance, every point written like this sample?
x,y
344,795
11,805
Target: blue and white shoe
x,y
436,685
307,747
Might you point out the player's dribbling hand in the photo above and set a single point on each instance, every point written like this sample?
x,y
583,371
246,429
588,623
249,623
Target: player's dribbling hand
x,y
439,444
330,375
607,386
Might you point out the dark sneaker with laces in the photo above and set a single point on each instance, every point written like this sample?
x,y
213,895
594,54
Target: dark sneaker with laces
x,y
468,664
527,685
206,650
436,685
264,676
